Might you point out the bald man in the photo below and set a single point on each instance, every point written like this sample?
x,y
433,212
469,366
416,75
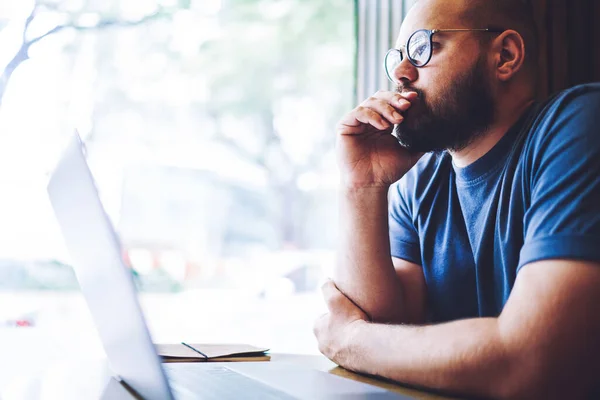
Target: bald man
x,y
469,259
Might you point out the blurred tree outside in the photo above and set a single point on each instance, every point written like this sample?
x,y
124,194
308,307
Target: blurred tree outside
x,y
273,60
58,18
247,92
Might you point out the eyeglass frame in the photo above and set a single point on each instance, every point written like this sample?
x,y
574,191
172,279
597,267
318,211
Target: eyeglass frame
x,y
430,32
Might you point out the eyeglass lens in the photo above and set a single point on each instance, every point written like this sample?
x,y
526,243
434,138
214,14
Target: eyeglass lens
x,y
418,51
419,48
392,60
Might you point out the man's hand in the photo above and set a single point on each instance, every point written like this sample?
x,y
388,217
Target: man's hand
x,y
335,328
369,155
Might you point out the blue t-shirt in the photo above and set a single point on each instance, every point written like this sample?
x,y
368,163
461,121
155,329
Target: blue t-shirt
x,y
534,196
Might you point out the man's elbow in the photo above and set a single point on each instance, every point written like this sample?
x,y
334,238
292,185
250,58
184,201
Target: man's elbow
x,y
546,389
532,377
382,313
378,307
509,389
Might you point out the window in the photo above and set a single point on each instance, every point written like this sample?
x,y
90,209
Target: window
x,y
209,127
378,25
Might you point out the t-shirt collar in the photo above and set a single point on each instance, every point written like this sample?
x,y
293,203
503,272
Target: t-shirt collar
x,y
491,160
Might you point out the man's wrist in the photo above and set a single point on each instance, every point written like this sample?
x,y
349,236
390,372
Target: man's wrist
x,y
352,190
365,200
355,328
352,340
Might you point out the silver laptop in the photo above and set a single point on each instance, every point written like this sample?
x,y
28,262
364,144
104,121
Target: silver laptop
x,y
110,293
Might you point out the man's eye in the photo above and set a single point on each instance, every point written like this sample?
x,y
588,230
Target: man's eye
x,y
435,45
421,49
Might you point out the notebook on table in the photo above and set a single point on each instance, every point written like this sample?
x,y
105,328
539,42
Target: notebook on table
x,y
195,352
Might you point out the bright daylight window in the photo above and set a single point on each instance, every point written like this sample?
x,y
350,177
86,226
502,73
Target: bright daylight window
x,y
209,127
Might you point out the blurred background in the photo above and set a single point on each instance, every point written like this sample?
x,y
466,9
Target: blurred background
x,y
209,129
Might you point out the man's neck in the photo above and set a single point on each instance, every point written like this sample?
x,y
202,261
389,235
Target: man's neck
x,y
505,118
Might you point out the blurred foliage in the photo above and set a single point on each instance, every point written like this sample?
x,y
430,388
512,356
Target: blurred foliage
x,y
36,275
264,79
246,63
269,57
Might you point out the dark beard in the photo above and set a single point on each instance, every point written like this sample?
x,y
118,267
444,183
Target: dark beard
x,y
463,112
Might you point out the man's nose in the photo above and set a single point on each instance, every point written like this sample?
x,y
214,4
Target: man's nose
x,y
405,71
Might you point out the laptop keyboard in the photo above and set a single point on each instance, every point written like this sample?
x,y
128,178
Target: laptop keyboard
x,y
201,381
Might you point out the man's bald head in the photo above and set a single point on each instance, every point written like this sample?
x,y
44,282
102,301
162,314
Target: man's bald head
x,y
507,14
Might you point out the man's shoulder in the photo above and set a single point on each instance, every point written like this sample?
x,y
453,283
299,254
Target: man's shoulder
x,y
575,92
582,98
571,113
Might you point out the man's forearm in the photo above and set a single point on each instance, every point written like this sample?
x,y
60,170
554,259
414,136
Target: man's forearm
x,y
364,270
465,357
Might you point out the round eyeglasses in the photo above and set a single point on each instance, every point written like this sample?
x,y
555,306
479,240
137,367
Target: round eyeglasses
x,y
418,49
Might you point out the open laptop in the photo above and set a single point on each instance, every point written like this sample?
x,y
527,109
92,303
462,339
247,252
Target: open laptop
x,y
110,293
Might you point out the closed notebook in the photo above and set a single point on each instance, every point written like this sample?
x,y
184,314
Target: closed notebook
x,y
194,352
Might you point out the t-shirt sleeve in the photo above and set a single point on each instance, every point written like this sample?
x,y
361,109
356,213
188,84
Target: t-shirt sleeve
x,y
404,238
563,217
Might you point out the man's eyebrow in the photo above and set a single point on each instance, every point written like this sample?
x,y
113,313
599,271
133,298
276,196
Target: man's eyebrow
x,y
442,35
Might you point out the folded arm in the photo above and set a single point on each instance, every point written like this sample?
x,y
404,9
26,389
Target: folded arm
x,y
545,344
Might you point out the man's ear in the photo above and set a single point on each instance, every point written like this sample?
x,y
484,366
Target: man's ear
x,y
509,54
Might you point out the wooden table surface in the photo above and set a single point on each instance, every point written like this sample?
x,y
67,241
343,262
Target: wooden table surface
x,y
323,364
92,379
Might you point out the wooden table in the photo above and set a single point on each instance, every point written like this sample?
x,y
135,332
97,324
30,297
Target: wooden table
x,y
323,364
92,380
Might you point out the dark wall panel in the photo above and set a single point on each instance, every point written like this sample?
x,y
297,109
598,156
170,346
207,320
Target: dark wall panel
x,y
570,43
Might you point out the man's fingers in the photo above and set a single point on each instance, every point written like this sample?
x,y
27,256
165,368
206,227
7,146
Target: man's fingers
x,y
389,112
332,295
328,288
401,101
317,327
410,96
393,96
382,100
372,117
382,110
354,122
